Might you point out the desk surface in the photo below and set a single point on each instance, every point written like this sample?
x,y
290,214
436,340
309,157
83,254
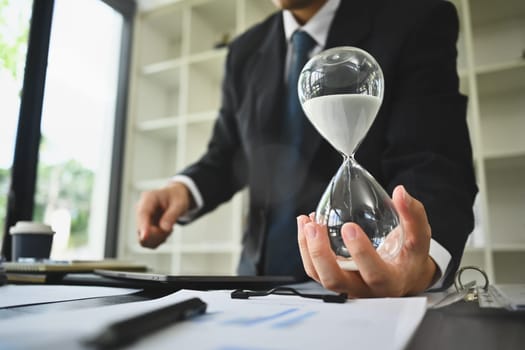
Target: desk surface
x,y
465,326
458,326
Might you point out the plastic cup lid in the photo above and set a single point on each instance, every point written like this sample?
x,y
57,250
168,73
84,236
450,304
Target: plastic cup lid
x,y
30,227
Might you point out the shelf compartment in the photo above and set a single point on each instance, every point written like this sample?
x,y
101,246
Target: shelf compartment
x,y
498,30
508,248
161,128
500,78
162,67
484,12
198,136
509,162
167,127
503,124
505,200
204,85
166,74
155,101
209,116
216,54
212,23
508,267
160,34
153,158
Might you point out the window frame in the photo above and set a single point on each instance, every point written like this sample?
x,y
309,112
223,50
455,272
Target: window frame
x,y
20,203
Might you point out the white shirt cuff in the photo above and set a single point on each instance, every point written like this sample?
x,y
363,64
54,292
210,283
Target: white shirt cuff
x,y
442,258
197,197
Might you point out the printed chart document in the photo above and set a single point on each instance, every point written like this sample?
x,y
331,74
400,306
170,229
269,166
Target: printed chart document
x,y
270,322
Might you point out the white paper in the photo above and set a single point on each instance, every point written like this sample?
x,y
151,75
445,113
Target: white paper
x,y
289,322
271,322
17,295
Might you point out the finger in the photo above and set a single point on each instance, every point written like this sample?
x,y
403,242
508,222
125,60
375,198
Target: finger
x,y
323,258
373,269
147,207
360,247
303,247
170,216
152,238
413,219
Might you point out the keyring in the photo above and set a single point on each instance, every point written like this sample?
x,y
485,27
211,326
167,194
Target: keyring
x,y
457,279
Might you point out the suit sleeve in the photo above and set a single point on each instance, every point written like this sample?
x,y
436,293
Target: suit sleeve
x,y
428,146
220,172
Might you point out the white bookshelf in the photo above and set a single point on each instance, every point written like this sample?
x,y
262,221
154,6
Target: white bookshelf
x,y
175,92
492,67
174,99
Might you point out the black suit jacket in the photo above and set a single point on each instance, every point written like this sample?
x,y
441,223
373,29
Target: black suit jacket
x,y
419,138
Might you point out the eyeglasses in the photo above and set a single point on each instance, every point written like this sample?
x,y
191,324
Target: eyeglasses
x,y
327,298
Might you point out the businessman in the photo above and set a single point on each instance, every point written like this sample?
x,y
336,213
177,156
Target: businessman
x,y
418,148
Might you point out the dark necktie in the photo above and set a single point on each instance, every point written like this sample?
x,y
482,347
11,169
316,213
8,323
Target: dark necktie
x,y
281,252
302,44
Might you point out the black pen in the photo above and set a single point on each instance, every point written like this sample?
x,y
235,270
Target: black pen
x,y
127,331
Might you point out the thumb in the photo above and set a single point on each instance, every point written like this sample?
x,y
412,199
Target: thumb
x,y
413,217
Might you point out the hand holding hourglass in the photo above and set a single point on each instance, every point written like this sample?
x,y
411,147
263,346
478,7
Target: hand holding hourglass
x,y
341,90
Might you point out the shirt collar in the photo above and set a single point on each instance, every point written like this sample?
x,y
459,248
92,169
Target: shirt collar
x,y
317,27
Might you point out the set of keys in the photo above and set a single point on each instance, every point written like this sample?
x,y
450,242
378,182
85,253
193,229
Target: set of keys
x,y
486,295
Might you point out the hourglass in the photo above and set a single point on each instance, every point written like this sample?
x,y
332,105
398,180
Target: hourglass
x,y
341,90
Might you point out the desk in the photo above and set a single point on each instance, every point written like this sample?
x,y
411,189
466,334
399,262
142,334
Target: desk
x,y
465,326
458,326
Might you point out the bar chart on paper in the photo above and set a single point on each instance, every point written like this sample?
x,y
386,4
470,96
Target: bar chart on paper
x,y
285,322
280,319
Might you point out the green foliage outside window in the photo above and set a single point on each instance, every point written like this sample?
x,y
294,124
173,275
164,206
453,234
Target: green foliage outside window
x,y
12,53
66,185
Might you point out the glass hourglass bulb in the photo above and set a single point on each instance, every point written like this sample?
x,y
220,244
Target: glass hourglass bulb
x,y
341,90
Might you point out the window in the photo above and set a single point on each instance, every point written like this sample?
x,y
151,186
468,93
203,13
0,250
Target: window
x,y
14,28
70,129
77,127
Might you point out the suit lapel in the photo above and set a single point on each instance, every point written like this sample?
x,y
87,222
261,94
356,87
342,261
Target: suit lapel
x,y
268,75
350,27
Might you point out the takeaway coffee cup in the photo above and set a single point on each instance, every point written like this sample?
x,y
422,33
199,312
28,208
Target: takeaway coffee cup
x,y
31,240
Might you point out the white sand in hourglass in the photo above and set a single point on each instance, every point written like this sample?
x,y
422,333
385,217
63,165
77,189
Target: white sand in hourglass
x,y
343,120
